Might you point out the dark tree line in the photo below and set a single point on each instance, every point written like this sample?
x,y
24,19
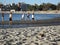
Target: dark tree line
x,y
41,7
9,7
44,7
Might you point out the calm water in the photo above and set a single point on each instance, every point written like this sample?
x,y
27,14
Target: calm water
x,y
37,16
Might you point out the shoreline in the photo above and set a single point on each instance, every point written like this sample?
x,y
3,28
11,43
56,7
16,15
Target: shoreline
x,y
36,12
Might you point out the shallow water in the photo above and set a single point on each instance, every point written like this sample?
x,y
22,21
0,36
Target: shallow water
x,y
37,16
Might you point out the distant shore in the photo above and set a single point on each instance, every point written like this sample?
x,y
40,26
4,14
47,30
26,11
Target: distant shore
x,y
36,12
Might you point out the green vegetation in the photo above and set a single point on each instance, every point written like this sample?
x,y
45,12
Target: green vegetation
x,y
36,7
44,7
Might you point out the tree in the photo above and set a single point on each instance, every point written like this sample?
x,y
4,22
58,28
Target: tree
x,y
1,5
50,6
47,6
30,7
40,7
44,6
13,5
36,7
58,6
53,7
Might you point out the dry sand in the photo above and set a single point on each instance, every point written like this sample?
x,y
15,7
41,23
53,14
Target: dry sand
x,y
42,35
36,12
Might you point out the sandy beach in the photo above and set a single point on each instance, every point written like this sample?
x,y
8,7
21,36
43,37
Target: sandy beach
x,y
39,35
36,12
43,32
29,22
